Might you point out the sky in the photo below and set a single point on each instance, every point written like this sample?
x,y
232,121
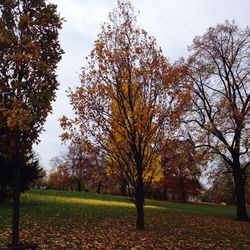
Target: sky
x,y
174,24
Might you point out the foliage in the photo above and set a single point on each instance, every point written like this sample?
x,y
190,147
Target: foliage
x,y
58,177
181,164
30,172
29,53
81,166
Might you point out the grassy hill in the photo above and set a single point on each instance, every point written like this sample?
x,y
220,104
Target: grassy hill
x,y
71,220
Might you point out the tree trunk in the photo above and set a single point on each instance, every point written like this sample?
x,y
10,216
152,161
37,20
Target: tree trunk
x,y
99,186
183,196
16,204
79,186
123,187
15,217
182,189
140,203
240,191
140,216
2,194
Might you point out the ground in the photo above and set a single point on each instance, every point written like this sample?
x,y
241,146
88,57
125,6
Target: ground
x,y
69,220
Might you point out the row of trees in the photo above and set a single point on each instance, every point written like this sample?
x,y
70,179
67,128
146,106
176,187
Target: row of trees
x,y
79,170
132,103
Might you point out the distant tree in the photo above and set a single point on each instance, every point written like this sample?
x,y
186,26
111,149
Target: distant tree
x,y
222,189
98,173
219,69
221,184
59,177
29,53
128,94
42,180
181,165
79,165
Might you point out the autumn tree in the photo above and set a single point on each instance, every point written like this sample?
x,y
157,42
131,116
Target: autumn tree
x,y
222,189
128,95
59,177
98,169
29,53
219,69
77,162
81,164
181,164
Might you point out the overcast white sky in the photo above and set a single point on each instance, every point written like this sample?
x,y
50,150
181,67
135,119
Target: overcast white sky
x,y
174,23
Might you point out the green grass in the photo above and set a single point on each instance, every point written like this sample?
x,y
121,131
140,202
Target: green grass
x,y
199,209
103,205
60,219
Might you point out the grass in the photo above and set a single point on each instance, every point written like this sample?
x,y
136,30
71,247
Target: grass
x,y
72,220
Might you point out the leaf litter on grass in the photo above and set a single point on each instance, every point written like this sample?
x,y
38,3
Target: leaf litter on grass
x,y
180,231
55,223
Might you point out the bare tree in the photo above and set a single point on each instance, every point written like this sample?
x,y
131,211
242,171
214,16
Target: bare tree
x,y
219,69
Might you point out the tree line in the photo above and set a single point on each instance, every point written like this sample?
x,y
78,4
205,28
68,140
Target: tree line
x,y
82,169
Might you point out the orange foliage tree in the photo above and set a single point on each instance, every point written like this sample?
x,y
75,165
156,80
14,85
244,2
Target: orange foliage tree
x,y
29,53
59,176
128,95
80,165
181,164
219,68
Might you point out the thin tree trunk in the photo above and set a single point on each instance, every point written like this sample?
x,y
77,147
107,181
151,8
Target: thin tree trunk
x,y
240,192
182,188
140,216
2,194
123,187
140,203
79,186
99,186
184,197
16,205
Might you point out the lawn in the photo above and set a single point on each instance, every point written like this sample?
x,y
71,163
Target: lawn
x,y
71,220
